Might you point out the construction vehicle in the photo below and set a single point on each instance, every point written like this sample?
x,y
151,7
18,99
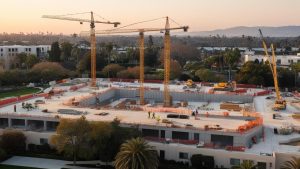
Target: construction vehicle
x,y
280,103
225,86
167,43
189,83
92,22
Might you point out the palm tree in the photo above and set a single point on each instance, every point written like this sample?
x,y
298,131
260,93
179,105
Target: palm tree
x,y
136,154
294,163
247,164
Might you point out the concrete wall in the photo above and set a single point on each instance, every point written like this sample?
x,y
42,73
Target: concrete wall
x,y
184,96
100,98
205,136
222,157
158,96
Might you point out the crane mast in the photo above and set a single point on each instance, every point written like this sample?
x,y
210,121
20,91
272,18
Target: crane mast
x,y
275,73
167,60
92,22
142,62
141,42
93,51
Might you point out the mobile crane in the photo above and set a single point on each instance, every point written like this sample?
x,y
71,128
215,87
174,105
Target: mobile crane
x,y
280,103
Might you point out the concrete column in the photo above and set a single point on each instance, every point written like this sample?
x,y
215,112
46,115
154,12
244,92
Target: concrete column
x,y
26,124
191,136
205,137
9,122
45,125
168,134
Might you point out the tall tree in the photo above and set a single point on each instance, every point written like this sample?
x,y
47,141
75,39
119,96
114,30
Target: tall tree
x,y
231,58
151,53
255,73
54,54
66,49
20,60
31,60
72,138
246,164
176,69
294,163
136,154
100,134
111,70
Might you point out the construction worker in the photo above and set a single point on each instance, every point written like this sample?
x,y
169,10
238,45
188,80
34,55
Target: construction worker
x,y
153,115
15,108
149,114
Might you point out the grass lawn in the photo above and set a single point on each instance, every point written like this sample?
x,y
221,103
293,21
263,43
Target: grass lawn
x,y
15,167
19,92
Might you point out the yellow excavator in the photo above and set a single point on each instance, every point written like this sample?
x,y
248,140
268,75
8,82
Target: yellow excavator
x,y
225,86
280,103
189,83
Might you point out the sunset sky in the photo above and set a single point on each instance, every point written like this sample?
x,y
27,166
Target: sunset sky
x,y
25,15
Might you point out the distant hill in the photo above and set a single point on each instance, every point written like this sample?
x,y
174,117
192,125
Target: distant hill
x,y
283,31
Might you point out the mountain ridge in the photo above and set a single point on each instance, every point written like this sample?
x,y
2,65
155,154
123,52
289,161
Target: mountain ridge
x,y
238,31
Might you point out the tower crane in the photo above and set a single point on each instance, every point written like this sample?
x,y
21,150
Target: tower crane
x,y
280,103
167,43
92,22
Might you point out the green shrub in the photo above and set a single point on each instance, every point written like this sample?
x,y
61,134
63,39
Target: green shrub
x,y
3,154
13,142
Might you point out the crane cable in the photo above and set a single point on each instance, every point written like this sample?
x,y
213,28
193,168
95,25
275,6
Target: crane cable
x,y
175,22
135,23
74,14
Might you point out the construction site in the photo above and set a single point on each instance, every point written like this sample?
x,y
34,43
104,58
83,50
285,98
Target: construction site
x,y
224,120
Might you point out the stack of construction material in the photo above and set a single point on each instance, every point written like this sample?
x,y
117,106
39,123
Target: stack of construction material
x,y
184,104
230,106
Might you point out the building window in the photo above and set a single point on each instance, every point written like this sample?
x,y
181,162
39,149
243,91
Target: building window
x,y
29,49
183,155
13,49
262,165
235,162
162,154
43,141
278,61
196,136
1,50
162,134
9,49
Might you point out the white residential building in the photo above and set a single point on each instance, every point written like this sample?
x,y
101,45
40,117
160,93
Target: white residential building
x,y
7,53
281,60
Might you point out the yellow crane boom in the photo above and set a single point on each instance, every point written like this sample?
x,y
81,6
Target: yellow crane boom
x,y
280,103
92,22
167,44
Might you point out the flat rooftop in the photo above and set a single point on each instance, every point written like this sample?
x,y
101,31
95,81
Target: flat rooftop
x,y
128,116
225,124
269,144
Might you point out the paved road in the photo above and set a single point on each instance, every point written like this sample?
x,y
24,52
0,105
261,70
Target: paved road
x,y
36,162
